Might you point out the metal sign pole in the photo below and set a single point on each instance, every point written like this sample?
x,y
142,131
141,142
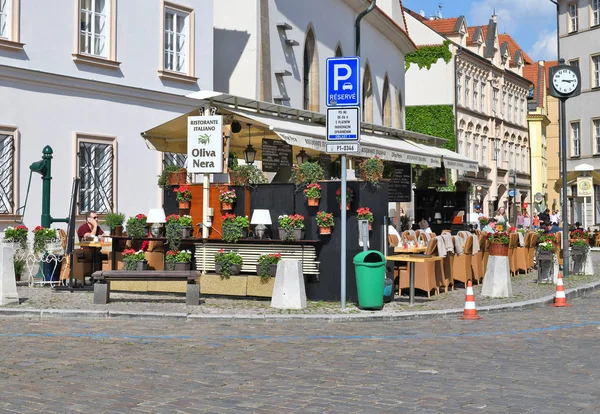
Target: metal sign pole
x,y
564,199
343,247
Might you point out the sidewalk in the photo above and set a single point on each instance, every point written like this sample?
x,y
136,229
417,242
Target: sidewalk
x,y
44,302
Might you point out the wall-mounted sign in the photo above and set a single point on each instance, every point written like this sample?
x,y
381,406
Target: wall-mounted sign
x,y
400,188
585,187
205,144
276,154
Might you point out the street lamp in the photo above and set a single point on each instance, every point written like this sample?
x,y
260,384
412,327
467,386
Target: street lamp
x,y
249,152
513,174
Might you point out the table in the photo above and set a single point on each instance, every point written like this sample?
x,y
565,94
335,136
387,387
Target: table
x,y
400,249
93,246
496,282
412,259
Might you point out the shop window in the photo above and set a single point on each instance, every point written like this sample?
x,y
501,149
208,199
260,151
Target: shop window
x,y
95,166
7,171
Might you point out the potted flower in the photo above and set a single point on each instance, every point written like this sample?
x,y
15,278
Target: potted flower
x,y
230,229
349,197
325,222
183,260
184,196
307,173
371,170
483,221
114,221
498,242
267,265
312,192
227,198
18,235
545,252
579,251
580,234
364,213
186,226
133,260
247,175
137,227
173,231
172,175
41,237
228,263
291,227
243,223
171,259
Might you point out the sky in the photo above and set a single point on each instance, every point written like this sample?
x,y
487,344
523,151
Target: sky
x,y
532,23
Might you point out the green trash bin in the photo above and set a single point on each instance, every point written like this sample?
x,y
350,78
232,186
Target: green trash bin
x,y
370,276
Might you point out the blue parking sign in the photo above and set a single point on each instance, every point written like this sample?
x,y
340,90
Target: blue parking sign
x,y
343,81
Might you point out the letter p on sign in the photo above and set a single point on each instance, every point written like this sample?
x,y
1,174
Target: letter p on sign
x,y
341,72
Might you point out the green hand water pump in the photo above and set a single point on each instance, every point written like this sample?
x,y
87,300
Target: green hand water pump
x,y
44,168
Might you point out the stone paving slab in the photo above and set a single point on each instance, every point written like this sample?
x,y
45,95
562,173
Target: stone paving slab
x,y
43,302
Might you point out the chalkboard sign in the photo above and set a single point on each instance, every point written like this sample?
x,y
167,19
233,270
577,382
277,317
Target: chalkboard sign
x,y
400,188
276,155
325,163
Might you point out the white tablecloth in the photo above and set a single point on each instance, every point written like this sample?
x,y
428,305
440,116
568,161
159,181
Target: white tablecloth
x,y
496,282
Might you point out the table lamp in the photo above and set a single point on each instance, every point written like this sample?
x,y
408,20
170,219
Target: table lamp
x,y
261,217
438,217
156,216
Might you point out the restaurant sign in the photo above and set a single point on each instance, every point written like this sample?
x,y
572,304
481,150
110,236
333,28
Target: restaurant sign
x,y
205,144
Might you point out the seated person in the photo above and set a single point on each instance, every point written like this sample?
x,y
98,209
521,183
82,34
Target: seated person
x,y
90,228
490,227
578,226
424,225
550,228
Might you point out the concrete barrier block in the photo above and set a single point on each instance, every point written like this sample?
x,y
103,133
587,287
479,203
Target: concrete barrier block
x,y
289,291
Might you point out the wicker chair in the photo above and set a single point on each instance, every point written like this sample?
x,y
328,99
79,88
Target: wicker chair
x,y
461,266
531,250
428,276
522,253
513,244
477,259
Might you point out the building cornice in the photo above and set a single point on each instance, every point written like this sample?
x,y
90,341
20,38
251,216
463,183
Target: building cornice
x,y
75,84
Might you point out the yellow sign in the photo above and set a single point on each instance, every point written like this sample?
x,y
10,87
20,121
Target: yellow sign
x,y
585,187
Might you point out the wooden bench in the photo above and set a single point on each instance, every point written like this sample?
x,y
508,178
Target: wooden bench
x,y
102,280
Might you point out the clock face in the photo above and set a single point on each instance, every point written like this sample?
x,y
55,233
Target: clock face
x,y
565,81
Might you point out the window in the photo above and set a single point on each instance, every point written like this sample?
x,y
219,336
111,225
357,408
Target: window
x,y
386,103
95,164
495,101
483,101
596,71
476,148
574,62
459,89
596,132
573,18
459,148
484,150
467,91
510,110
575,139
476,95
511,160
174,158
468,141
524,161
176,40
516,110
5,18
367,91
311,74
517,159
522,120
94,27
595,12
7,171
505,151
504,104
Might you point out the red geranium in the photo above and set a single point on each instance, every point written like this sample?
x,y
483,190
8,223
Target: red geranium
x,y
140,216
129,252
172,217
364,213
229,217
183,193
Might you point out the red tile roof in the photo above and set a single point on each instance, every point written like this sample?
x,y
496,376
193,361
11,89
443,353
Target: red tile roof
x,y
532,74
442,26
549,64
513,47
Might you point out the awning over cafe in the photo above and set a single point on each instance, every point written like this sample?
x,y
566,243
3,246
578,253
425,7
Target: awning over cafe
x,y
307,130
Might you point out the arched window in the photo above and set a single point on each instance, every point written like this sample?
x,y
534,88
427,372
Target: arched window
x,y
311,73
338,50
399,113
367,93
386,104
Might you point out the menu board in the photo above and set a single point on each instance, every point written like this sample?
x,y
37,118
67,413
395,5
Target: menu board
x,y
400,188
325,163
276,155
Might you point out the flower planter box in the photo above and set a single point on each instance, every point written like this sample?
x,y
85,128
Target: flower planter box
x,y
298,234
141,265
272,270
226,206
177,178
257,286
235,269
117,231
217,285
183,266
324,230
184,205
498,249
578,256
313,202
545,266
186,232
347,205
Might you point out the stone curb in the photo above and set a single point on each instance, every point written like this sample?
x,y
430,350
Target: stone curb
x,y
361,316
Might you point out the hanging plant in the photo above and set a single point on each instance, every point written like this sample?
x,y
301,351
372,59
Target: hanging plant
x,y
247,175
307,173
371,170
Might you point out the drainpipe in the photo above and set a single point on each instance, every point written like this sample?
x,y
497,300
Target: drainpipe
x,y
357,24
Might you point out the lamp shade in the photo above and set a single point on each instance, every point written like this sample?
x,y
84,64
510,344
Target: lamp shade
x,y
437,216
261,216
156,215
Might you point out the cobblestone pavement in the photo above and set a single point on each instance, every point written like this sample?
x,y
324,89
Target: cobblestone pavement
x,y
539,360
524,288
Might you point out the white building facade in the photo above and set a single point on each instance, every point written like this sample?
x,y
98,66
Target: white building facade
x,y
87,88
484,83
579,37
276,52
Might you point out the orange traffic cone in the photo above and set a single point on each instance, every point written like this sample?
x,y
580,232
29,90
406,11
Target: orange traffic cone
x,y
470,311
560,300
